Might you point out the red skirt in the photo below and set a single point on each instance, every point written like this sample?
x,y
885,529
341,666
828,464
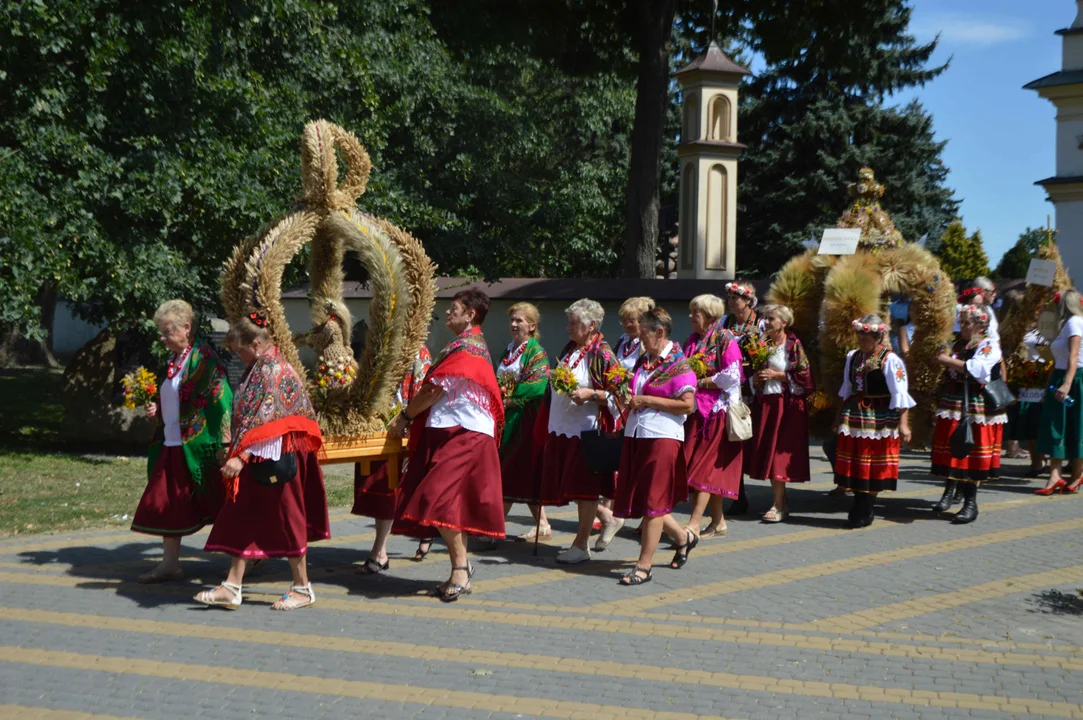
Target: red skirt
x,y
274,521
779,448
452,481
714,462
172,504
983,463
653,478
371,495
520,462
565,475
867,464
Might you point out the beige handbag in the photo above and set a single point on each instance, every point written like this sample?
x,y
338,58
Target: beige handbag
x,y
738,421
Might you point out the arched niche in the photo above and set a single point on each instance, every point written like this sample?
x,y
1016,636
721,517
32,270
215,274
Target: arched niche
x,y
687,218
715,250
690,123
720,119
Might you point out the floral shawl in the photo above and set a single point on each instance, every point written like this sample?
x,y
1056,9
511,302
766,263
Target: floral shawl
x,y
798,371
718,348
730,323
272,403
466,358
529,390
415,376
672,378
205,400
600,362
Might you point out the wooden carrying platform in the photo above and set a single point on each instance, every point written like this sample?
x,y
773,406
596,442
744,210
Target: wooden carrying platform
x,y
365,450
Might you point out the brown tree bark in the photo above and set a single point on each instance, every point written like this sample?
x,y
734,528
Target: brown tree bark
x,y
16,350
653,23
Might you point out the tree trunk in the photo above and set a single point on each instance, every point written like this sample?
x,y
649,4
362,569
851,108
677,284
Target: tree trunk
x,y
653,27
47,303
16,350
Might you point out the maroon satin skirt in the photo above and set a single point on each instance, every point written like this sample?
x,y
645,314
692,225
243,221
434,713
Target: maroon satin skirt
x,y
452,481
521,462
714,462
172,504
565,475
274,521
779,444
371,495
652,478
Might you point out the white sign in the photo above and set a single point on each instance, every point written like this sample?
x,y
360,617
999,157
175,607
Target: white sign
x,y
1049,325
1031,395
1041,272
840,241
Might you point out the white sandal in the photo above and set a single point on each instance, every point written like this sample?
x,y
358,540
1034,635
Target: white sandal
x,y
290,603
207,597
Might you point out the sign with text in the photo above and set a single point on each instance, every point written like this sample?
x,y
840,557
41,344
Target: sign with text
x,y
1041,272
1049,325
840,241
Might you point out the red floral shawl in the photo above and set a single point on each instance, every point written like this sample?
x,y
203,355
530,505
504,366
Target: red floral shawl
x,y
600,360
714,347
271,403
798,370
467,358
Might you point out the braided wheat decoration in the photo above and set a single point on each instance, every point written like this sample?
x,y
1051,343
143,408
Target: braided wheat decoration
x,y
352,399
826,294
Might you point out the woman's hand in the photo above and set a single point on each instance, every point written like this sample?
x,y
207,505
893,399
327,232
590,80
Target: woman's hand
x,y
232,468
944,359
904,433
399,426
770,374
507,403
638,402
152,409
1063,391
582,395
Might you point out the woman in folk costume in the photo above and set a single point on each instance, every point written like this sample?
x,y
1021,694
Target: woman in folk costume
x,y
372,495
873,419
653,476
566,477
276,503
714,461
452,483
184,490
982,293
1060,433
523,376
779,444
975,360
742,321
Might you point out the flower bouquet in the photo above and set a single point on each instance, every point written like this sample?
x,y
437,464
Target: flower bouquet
x,y
331,375
699,366
618,383
140,387
759,351
507,381
563,381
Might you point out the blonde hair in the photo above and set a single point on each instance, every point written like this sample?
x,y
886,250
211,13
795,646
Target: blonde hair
x,y
177,312
244,332
782,312
1071,303
710,305
635,306
587,311
529,311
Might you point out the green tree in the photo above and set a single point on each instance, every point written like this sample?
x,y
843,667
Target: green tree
x,y
1014,264
962,257
819,112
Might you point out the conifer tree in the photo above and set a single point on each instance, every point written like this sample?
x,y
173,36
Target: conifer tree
x,y
962,257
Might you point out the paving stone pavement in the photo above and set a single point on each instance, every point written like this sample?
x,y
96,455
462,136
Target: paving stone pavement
x,y
910,618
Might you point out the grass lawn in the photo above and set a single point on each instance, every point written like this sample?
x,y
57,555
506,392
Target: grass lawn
x,y
44,488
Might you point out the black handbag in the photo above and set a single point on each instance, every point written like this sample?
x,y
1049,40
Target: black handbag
x,y
274,472
601,451
962,440
997,395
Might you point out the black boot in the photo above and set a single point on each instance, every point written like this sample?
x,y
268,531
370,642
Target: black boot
x,y
870,502
946,500
853,519
969,513
958,496
740,505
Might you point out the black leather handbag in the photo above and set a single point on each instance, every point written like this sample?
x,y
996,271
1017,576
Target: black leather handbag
x,y
601,451
962,440
274,472
998,395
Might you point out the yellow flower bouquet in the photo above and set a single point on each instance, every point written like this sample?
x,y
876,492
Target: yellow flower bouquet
x,y
563,380
140,387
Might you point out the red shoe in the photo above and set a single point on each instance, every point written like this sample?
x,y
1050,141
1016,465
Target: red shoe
x,y
1057,487
1073,488
597,525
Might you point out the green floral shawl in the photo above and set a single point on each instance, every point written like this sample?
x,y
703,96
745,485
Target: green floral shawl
x,y
530,389
205,403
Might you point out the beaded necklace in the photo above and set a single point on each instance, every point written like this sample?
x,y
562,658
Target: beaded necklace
x,y
511,358
629,347
176,365
582,354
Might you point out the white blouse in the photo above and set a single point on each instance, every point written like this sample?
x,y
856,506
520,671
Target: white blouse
x,y
565,417
516,366
655,424
1059,347
986,358
895,375
454,408
169,400
632,347
728,380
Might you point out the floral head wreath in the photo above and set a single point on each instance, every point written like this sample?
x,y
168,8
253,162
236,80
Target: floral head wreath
x,y
1057,296
740,290
869,328
964,297
258,319
975,315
